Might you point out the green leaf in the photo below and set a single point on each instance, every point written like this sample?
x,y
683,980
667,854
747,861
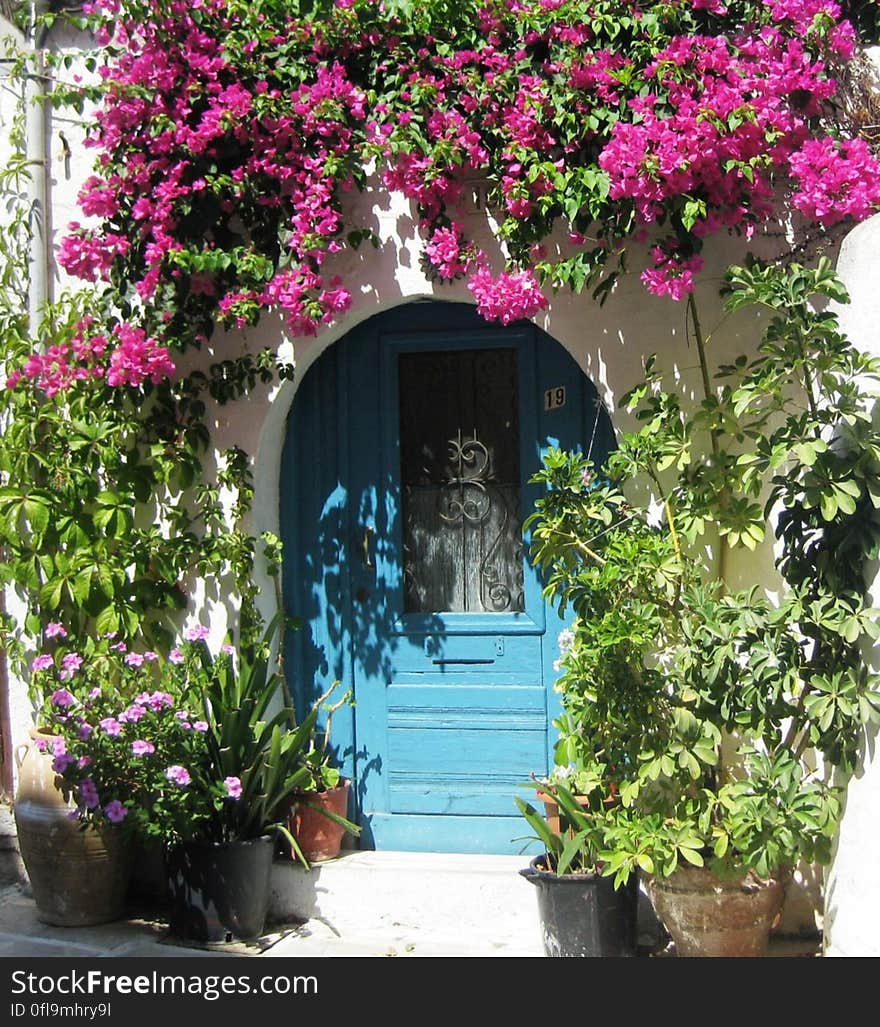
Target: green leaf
x,y
692,856
645,862
107,621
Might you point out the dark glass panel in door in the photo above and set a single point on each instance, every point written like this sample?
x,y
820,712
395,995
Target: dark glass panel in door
x,y
459,439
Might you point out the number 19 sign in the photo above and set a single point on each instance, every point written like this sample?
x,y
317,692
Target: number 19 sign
x,y
554,398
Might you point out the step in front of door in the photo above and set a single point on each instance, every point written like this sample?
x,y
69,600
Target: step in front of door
x,y
444,896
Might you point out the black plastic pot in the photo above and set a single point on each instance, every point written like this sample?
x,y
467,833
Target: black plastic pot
x,y
219,891
582,914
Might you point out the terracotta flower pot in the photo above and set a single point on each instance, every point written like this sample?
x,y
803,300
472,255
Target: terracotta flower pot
x,y
79,876
709,916
551,809
319,837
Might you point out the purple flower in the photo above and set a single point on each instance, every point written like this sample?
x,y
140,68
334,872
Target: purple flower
x,y
159,699
95,693
59,746
150,656
142,748
134,660
200,725
71,662
62,762
120,647
41,744
61,697
196,634
85,731
111,726
88,793
233,787
176,656
179,775
43,662
115,811
133,714
227,648
84,761
55,630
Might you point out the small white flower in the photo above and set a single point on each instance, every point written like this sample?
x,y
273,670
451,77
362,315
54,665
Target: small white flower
x,y
565,640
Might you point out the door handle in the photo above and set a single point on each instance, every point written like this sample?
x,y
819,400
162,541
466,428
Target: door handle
x,y
369,531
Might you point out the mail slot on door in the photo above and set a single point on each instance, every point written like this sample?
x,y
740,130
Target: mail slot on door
x,y
468,652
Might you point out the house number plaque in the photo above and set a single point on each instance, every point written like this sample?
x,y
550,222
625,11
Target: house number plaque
x,y
554,398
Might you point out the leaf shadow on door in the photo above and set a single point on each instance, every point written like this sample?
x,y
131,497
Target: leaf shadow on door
x,y
345,588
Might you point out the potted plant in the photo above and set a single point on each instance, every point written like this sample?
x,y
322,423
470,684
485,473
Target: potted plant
x,y
202,764
317,818
253,761
79,778
582,912
704,707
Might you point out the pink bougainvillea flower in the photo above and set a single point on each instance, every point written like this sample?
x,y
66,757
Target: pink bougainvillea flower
x,y
509,297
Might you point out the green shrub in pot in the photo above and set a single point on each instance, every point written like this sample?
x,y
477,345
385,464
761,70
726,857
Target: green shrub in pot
x,y
705,710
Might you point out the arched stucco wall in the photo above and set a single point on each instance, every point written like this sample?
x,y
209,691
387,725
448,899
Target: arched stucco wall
x,y
852,891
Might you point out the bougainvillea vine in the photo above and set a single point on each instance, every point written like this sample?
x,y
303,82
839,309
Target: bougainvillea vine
x,y
229,136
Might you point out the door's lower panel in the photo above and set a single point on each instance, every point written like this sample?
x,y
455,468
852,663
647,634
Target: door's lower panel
x,y
484,740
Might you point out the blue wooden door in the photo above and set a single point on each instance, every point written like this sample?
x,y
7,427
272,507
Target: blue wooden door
x,y
404,487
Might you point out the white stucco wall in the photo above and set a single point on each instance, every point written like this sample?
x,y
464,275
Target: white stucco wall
x,y
852,892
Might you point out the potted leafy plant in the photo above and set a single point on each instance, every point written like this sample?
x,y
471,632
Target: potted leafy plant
x,y
702,707
582,912
219,872
317,818
203,764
